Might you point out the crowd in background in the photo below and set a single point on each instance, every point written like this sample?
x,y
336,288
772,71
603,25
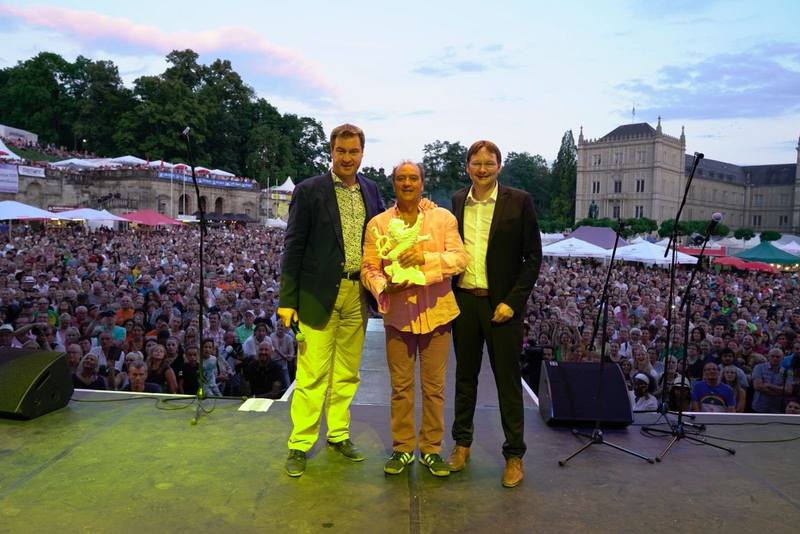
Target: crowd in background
x,y
746,324
113,300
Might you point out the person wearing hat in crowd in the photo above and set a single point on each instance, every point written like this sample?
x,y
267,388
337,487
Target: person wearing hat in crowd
x,y
6,335
246,329
118,333
641,397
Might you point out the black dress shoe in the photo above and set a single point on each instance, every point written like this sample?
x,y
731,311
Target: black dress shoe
x,y
348,450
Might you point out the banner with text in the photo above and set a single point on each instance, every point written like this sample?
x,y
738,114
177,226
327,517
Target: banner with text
x,y
9,179
36,172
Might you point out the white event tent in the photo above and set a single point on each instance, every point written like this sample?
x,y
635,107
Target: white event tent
x,y
5,152
128,160
16,211
792,247
646,252
89,214
573,247
285,187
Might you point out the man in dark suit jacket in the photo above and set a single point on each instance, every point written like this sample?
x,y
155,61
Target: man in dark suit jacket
x,y
501,233
321,289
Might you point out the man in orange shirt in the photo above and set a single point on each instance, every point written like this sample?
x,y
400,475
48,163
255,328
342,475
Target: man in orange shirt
x,y
125,310
416,317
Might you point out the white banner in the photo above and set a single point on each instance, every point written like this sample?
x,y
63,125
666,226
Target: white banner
x,y
9,179
36,172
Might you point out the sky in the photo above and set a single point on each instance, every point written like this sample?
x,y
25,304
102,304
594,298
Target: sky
x,y
520,73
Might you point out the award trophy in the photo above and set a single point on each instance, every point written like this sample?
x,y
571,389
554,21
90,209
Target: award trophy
x,y
400,238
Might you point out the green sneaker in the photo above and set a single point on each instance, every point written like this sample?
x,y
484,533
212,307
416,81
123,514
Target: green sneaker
x,y
397,462
348,450
296,463
435,464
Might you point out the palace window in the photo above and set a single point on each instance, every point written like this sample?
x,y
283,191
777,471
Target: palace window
x,y
618,186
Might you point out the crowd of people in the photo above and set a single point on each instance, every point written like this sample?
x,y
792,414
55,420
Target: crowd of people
x,y
61,153
49,150
110,299
122,305
743,350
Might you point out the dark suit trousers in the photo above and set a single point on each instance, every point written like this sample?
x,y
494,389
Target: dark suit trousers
x,y
471,329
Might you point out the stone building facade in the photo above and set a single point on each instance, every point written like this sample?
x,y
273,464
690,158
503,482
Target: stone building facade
x,y
122,190
639,171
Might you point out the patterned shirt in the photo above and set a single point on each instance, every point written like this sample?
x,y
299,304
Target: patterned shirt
x,y
353,214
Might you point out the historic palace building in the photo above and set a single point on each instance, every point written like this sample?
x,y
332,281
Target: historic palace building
x,y
131,189
639,171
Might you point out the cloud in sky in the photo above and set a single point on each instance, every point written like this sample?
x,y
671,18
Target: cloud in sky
x,y
269,67
761,82
452,63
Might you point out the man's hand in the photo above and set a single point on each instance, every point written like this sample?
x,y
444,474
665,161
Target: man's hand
x,y
396,288
502,313
426,204
287,315
411,257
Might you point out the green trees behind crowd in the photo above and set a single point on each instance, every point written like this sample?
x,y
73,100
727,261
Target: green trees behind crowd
x,y
66,103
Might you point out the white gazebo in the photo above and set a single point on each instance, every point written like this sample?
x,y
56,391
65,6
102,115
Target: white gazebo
x,y
6,153
646,252
17,211
286,187
572,247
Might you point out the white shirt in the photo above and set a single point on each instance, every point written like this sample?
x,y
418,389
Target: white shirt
x,y
477,222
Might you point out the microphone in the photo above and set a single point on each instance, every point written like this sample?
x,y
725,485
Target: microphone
x,y
716,218
298,335
186,131
699,155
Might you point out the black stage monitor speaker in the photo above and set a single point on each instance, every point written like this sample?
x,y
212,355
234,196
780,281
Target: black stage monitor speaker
x,y
568,395
33,382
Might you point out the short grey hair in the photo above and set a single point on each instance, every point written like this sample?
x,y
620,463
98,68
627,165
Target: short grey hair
x,y
419,167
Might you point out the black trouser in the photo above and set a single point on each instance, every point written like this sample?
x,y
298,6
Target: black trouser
x,y
471,329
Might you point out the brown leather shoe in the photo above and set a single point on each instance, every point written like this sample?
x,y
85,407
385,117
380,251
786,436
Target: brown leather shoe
x,y
458,458
513,473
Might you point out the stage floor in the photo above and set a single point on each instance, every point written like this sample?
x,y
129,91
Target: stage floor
x,y
127,466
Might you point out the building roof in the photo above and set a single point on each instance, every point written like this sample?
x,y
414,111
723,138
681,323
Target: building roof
x,y
757,175
640,129
600,236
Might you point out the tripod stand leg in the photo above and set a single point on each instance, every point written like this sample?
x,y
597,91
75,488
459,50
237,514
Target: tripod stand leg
x,y
585,446
632,453
696,440
672,442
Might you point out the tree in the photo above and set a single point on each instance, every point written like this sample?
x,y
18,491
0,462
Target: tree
x,y
744,233
564,176
384,182
769,235
531,174
445,169
640,225
100,100
35,96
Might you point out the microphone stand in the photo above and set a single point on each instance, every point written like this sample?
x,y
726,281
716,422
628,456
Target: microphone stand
x,y
201,299
663,406
597,437
677,429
